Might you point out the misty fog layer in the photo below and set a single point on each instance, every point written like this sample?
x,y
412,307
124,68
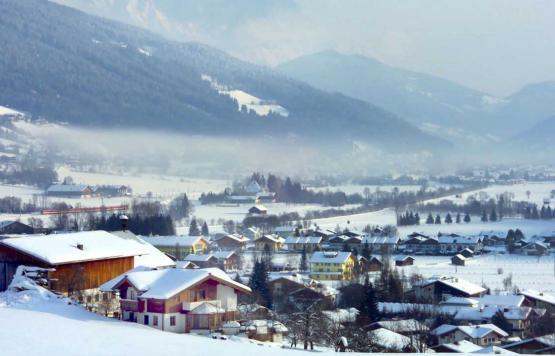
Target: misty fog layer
x,y
139,151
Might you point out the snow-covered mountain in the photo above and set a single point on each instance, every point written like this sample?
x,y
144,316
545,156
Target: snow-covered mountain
x,y
458,112
98,73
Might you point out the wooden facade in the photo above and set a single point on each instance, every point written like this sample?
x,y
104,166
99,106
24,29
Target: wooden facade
x,y
66,277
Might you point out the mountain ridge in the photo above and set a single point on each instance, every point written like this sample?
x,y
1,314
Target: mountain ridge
x,y
97,72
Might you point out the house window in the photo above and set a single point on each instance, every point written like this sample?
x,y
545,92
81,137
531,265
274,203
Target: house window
x,y
172,320
145,320
155,320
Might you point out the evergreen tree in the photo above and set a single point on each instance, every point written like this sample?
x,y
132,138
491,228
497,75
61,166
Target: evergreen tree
x,y
535,214
518,235
438,219
467,218
416,219
458,218
368,309
448,219
366,251
205,231
430,219
193,228
493,215
259,285
395,287
501,322
304,261
484,216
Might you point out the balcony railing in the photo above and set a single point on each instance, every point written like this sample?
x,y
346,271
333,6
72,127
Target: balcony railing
x,y
129,305
188,306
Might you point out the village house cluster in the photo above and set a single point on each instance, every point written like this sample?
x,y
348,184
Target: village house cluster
x,y
206,284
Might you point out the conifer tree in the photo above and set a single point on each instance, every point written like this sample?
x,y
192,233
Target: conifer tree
x,y
259,285
467,218
484,216
205,231
458,218
448,219
304,261
438,219
193,228
493,215
430,219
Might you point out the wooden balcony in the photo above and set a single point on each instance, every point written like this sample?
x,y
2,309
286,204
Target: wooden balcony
x,y
129,305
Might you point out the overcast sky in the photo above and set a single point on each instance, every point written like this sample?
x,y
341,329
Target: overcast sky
x,y
495,46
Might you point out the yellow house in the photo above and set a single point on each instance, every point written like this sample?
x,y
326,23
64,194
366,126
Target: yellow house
x,y
331,265
179,246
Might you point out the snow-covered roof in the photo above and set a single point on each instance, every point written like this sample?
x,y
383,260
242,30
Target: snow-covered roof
x,y
6,223
541,296
473,331
186,241
64,248
460,301
401,326
67,188
462,346
462,240
389,339
486,313
329,257
547,340
165,283
494,350
380,240
291,240
456,283
236,237
511,300
199,258
402,258
154,258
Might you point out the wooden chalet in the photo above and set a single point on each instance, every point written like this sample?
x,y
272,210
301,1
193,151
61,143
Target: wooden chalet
x,y
458,260
231,242
401,261
374,264
78,261
178,300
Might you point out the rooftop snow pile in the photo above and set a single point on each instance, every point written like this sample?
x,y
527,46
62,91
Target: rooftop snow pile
x,y
56,249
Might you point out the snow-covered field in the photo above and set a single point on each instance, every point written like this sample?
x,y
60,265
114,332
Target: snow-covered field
x,y
158,185
538,192
528,272
387,216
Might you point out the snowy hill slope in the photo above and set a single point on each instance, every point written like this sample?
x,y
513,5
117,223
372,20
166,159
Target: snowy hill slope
x,y
36,322
103,74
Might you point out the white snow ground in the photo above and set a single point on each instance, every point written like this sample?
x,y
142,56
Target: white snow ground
x,y
40,324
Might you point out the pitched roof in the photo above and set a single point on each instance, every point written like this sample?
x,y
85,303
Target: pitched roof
x,y
167,241
473,331
501,300
456,283
303,240
155,258
390,339
329,257
165,283
534,294
199,258
67,188
462,346
58,249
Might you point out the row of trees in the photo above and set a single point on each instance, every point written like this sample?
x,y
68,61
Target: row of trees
x,y
448,218
545,213
408,218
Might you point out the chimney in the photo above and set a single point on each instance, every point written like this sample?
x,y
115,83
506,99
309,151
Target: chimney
x,y
80,246
123,219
